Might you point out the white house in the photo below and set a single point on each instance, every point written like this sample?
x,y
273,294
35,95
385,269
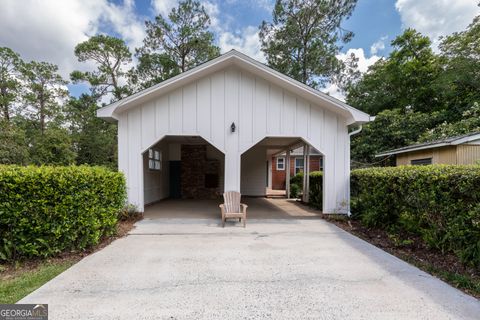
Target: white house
x,y
214,128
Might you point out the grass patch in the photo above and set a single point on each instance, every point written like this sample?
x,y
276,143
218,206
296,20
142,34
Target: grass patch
x,y
23,277
463,282
24,280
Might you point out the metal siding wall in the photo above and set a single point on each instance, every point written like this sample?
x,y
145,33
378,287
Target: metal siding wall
x,y
468,154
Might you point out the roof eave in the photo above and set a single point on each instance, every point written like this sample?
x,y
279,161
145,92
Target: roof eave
x,y
431,146
353,116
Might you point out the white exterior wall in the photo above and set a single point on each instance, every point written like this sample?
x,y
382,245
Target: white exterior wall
x,y
156,182
208,106
254,172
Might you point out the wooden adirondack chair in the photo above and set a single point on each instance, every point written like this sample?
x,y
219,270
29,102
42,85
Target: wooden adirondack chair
x,y
232,208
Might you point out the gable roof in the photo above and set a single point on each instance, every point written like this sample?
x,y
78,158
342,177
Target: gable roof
x,y
449,141
233,57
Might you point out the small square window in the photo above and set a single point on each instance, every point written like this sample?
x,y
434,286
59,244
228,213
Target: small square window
x,y
281,163
154,159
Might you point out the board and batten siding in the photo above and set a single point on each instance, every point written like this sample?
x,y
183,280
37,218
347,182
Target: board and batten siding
x,y
207,107
254,172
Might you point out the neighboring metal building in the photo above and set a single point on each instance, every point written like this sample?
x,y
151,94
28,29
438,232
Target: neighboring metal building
x,y
214,127
463,149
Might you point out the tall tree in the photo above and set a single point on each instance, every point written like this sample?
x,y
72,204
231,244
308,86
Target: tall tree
x,y
94,139
175,44
406,79
111,57
303,39
10,65
43,91
460,80
391,129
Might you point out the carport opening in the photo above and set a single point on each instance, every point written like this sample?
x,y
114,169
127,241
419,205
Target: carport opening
x,y
268,166
182,167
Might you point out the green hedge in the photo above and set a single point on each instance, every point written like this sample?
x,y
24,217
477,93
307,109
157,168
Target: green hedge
x,y
439,203
316,187
48,210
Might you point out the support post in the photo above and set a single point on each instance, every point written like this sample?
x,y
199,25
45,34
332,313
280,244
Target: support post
x,y
306,172
287,173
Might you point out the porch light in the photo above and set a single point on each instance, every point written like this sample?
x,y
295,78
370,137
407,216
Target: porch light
x,y
232,127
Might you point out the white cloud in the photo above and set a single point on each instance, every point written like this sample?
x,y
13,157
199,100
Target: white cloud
x,y
213,12
247,41
436,18
378,45
363,61
363,64
49,30
333,90
163,7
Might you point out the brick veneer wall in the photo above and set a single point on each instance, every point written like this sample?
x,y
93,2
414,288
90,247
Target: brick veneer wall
x,y
279,176
195,166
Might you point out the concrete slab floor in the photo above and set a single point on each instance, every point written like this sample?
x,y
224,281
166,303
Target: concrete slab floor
x,y
179,268
258,208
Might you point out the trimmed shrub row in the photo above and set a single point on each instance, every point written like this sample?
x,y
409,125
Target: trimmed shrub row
x,y
439,203
316,187
48,210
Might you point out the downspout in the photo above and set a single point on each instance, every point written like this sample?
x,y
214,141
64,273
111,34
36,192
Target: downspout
x,y
354,132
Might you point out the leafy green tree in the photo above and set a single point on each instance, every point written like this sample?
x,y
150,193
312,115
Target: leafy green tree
x,y
43,91
10,63
111,57
54,147
460,80
152,68
304,38
176,44
404,80
94,140
391,129
469,123
13,144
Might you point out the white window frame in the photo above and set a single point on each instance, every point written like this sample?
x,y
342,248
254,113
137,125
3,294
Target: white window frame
x,y
298,167
282,168
154,160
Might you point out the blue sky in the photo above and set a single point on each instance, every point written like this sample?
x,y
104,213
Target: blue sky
x,y
48,30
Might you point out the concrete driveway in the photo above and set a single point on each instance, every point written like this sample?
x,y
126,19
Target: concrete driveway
x,y
177,268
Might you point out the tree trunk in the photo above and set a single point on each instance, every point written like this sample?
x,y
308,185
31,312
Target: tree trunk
x,y
5,111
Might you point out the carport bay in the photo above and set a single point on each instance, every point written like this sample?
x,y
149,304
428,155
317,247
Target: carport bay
x,y
234,104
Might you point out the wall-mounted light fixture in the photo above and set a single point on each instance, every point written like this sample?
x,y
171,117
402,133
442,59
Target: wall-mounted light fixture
x,y
232,127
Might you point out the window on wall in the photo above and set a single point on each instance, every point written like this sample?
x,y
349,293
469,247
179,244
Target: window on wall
x,y
280,163
421,162
154,159
298,165
321,164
